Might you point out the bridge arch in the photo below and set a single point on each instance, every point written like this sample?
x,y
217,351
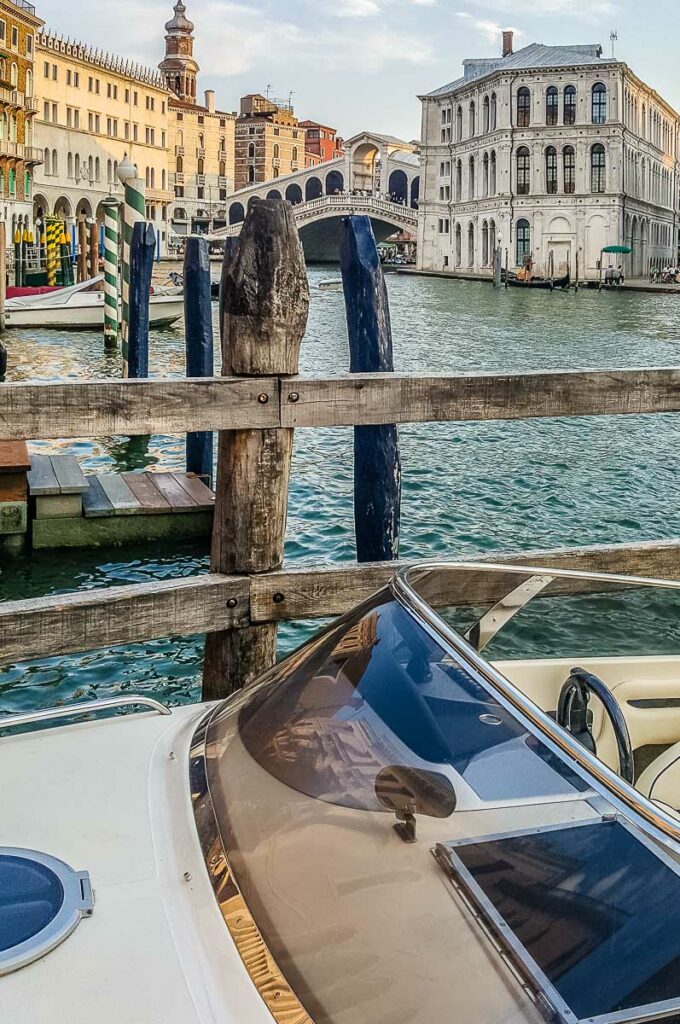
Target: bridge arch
x,y
294,193
397,186
415,192
313,189
335,182
366,159
236,213
253,199
274,194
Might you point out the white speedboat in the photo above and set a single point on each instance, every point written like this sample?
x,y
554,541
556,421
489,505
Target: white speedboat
x,y
387,828
81,307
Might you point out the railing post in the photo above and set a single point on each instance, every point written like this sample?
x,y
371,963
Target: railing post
x,y
377,466
142,247
265,303
199,343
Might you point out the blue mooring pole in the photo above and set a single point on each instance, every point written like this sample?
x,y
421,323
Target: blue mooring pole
x,y
142,248
199,343
377,466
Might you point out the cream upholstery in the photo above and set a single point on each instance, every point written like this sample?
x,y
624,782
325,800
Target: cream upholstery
x,y
661,780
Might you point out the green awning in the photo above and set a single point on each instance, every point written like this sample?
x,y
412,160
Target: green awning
x,y
617,248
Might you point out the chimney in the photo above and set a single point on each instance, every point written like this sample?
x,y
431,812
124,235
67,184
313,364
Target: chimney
x,y
210,100
507,43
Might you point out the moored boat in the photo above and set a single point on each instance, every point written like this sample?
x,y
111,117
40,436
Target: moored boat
x,y
81,307
515,281
405,820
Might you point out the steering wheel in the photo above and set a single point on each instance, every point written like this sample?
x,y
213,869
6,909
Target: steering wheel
x,y
572,715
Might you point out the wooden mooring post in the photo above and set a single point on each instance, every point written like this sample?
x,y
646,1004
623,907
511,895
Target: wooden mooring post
x,y
265,304
377,466
142,249
199,343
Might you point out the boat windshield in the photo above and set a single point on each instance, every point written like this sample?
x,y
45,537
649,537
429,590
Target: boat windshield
x,y
332,780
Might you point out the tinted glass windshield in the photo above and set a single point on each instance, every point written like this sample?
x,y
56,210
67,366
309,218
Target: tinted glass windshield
x,y
379,691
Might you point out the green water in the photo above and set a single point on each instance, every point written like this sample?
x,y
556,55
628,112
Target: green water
x,y
467,488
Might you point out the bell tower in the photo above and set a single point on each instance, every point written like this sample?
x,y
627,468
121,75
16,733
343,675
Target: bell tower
x,y
179,67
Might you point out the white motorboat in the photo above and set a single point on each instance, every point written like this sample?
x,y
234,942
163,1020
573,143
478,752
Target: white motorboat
x,y
81,307
405,821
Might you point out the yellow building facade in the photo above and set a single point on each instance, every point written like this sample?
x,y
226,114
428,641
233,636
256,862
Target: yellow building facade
x,y
93,110
19,28
269,142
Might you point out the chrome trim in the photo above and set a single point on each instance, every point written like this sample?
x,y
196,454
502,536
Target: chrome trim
x,y
86,708
77,903
652,815
492,621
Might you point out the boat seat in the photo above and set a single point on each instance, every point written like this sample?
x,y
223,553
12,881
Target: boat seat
x,y
660,781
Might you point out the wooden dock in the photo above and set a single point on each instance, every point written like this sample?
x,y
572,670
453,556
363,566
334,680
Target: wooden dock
x,y
71,509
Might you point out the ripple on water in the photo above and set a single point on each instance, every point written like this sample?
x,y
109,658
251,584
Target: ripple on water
x,y
468,488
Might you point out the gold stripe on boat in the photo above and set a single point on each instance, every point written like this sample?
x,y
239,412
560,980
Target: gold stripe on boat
x,y
279,997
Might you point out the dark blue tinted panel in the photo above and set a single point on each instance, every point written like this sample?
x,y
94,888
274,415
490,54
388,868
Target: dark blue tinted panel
x,y
377,690
594,908
30,897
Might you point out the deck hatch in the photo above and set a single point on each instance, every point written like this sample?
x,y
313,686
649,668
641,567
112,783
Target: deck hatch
x,y
42,900
586,912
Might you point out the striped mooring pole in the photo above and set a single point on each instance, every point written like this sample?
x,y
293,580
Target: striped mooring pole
x,y
135,211
54,230
17,258
111,257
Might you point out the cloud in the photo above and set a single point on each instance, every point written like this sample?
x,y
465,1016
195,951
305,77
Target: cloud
x,y
491,30
353,8
586,10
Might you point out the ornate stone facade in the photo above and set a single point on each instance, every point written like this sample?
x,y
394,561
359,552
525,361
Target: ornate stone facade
x,y
550,152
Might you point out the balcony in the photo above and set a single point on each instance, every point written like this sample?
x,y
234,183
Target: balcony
x,y
18,151
294,165
11,97
177,179
179,150
276,161
200,179
222,182
200,153
222,154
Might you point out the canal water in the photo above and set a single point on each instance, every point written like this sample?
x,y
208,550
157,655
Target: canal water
x,y
468,488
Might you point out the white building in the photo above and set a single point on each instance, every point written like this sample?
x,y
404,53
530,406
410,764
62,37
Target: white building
x,y
549,149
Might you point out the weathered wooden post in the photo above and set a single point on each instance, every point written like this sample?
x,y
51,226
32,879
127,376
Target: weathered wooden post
x,y
265,301
94,249
142,248
82,250
497,267
377,466
576,284
507,258
199,343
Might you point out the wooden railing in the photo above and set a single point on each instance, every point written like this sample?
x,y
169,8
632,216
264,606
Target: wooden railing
x,y
268,405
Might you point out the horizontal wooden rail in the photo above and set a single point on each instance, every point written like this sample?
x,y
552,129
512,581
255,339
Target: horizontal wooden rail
x,y
105,407
101,408
66,624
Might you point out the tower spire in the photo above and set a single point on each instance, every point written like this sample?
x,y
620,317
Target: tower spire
x,y
179,67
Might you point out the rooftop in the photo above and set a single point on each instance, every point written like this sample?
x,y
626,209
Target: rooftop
x,y
535,55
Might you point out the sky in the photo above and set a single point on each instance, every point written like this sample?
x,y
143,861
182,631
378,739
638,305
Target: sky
x,y
360,64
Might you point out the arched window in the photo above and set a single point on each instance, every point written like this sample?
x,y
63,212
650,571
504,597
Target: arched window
x,y
471,178
90,168
523,171
492,112
222,169
29,83
3,126
569,104
47,162
69,165
294,155
223,145
27,185
14,75
551,105
251,150
147,178
152,177
97,170
523,248
12,128
201,140
179,164
472,119
523,107
471,245
492,173
459,124
485,244
485,175
200,166
12,182
459,246
251,174
598,168
459,180
599,103
277,150
492,238
569,169
180,138
485,114
551,170
109,172
163,179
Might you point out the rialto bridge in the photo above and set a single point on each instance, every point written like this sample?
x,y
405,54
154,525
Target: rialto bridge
x,y
378,175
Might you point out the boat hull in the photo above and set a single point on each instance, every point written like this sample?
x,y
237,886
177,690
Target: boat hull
x,y
536,282
164,310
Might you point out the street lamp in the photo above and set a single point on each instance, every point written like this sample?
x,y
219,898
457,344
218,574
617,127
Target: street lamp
x,y
126,171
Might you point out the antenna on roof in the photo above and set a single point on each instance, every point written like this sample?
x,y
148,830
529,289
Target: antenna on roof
x,y
269,87
613,39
